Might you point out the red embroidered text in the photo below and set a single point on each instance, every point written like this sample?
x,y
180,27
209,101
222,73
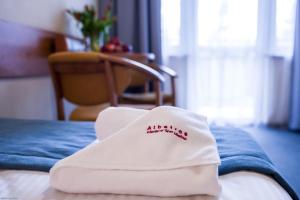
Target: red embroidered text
x,y
167,129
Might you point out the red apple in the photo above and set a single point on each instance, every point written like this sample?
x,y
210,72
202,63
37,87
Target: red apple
x,y
119,48
115,41
104,49
126,48
111,47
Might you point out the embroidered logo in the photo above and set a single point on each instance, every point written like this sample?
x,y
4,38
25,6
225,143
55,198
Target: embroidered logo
x,y
167,129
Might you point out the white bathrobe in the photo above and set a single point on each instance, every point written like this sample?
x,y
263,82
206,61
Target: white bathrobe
x,y
167,151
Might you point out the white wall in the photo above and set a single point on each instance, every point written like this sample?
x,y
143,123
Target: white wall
x,y
44,14
30,98
33,98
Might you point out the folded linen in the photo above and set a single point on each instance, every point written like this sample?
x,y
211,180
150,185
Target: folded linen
x,y
167,151
113,119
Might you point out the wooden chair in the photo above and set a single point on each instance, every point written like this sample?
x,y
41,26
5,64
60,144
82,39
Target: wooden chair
x,y
68,43
94,81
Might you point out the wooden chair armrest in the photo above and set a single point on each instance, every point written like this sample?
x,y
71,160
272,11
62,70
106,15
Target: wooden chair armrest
x,y
148,71
164,69
93,57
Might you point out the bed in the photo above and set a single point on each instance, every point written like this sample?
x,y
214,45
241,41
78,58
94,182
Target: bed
x,y
29,148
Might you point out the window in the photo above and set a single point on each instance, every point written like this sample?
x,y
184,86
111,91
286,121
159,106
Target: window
x,y
171,21
229,23
285,10
236,26
225,43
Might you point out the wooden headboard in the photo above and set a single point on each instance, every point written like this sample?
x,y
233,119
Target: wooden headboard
x,y
24,50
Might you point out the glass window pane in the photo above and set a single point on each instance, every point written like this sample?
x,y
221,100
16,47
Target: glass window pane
x,y
227,22
285,12
170,12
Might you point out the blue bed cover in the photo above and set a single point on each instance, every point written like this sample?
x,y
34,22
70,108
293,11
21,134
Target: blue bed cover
x,y
39,144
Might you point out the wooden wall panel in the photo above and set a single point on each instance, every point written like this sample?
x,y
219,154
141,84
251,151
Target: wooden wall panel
x,y
24,50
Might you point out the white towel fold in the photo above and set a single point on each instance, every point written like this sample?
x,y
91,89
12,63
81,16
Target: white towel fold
x,y
167,151
113,119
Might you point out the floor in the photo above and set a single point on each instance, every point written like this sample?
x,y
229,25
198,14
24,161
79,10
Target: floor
x,y
283,148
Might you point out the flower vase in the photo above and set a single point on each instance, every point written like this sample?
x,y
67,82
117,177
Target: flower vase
x,y
94,44
105,34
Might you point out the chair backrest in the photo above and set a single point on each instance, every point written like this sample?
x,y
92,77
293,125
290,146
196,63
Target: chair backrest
x,y
88,78
68,43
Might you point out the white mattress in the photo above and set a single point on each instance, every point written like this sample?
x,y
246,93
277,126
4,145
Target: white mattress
x,y
33,185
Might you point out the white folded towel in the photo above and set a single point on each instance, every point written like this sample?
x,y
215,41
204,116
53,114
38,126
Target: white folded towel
x,y
167,151
113,119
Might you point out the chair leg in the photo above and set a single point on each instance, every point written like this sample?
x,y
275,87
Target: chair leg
x,y
60,109
173,91
159,100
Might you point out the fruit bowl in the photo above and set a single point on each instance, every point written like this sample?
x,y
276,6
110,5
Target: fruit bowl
x,y
116,46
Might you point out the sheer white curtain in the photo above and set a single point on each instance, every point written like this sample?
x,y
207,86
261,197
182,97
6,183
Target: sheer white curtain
x,y
228,48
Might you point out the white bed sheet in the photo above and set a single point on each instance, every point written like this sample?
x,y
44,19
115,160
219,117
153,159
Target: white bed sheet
x,y
33,185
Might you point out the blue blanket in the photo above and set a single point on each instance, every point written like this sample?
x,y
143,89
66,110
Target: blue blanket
x,y
38,145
